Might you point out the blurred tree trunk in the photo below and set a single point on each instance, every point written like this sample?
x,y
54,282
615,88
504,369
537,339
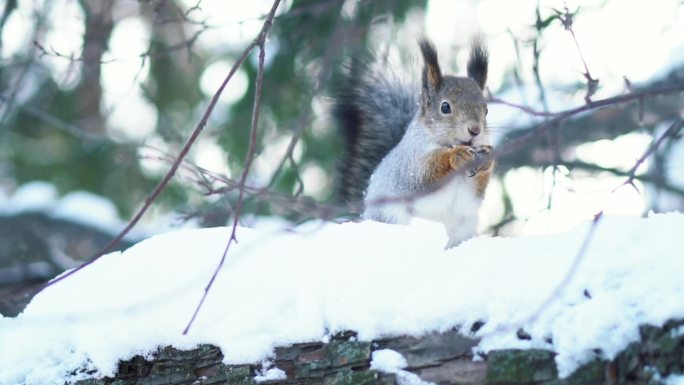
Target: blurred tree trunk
x,y
99,24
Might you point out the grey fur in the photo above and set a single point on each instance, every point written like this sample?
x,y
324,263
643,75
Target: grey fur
x,y
372,109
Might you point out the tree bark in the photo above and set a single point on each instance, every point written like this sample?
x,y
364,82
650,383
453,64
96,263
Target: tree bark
x,y
439,358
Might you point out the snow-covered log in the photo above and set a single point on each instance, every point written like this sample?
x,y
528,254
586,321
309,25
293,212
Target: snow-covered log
x,y
534,309
438,358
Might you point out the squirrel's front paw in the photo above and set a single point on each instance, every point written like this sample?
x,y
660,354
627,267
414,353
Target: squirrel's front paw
x,y
484,149
462,156
483,160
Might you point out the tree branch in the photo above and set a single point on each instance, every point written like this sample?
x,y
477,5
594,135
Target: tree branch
x,y
260,41
174,167
558,117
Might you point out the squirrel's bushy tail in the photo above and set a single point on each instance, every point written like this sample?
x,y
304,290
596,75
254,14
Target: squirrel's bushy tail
x,y
372,107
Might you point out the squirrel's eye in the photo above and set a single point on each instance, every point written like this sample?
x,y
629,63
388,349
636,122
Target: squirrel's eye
x,y
446,108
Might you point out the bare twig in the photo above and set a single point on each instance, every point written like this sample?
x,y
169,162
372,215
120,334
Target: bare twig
x,y
656,181
305,205
672,132
526,109
260,41
172,171
517,69
58,123
332,47
551,135
23,73
558,117
566,17
535,132
536,52
571,271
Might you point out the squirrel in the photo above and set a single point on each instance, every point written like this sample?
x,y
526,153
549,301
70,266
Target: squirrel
x,y
416,150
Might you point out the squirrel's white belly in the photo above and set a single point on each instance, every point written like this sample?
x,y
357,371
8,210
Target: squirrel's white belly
x,y
455,205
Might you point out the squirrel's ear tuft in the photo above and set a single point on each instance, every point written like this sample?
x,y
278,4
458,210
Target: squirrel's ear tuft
x,y
478,62
432,75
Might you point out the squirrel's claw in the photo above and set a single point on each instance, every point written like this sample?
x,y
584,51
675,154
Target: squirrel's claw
x,y
482,161
462,156
484,149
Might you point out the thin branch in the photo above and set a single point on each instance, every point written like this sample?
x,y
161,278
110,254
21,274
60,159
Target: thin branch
x,y
260,41
60,124
572,270
23,73
551,135
328,211
517,68
536,52
52,52
672,132
524,108
558,117
296,204
655,181
304,118
567,18
172,171
525,139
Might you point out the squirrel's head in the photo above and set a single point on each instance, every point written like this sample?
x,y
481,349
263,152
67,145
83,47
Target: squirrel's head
x,y
454,108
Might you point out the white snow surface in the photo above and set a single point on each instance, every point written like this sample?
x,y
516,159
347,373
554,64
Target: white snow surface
x,y
388,361
391,361
32,196
81,207
271,374
674,379
279,288
78,206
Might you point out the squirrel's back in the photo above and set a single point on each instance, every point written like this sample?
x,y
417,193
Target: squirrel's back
x,y
372,108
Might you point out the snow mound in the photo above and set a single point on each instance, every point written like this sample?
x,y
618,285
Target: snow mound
x,y
81,207
388,361
32,196
279,288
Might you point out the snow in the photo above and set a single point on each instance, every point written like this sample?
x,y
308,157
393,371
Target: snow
x,y
33,196
674,379
408,378
78,206
81,207
86,208
390,361
282,287
272,374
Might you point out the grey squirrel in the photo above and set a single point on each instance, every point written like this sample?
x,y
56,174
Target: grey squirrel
x,y
404,140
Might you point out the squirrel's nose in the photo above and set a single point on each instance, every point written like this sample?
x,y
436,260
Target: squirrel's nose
x,y
474,130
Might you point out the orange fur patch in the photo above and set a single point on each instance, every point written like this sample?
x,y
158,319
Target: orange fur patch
x,y
446,160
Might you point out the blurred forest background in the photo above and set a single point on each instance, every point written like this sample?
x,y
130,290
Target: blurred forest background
x,y
100,96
